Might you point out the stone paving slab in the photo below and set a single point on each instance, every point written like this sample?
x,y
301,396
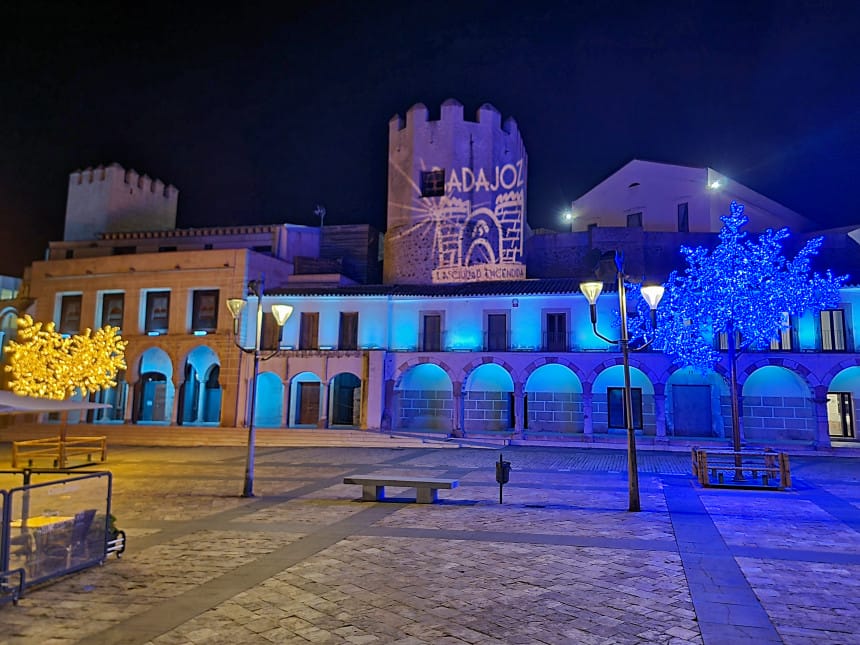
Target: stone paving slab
x,y
561,561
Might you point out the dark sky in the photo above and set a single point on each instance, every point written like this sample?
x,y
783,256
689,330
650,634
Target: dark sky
x,y
258,113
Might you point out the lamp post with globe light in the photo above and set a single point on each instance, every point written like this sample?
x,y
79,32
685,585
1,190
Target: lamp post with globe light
x,y
281,313
652,295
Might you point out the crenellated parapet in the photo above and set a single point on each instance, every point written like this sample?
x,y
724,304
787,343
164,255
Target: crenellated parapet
x,y
456,196
130,177
110,198
417,123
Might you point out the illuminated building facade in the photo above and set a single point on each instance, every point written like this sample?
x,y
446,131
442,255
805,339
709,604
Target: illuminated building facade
x,y
475,325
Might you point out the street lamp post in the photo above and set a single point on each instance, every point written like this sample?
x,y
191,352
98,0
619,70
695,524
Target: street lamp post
x,y
281,313
652,295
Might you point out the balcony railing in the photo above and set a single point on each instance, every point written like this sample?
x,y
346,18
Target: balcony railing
x,y
497,342
556,341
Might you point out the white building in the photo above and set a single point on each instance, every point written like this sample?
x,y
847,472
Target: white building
x,y
672,198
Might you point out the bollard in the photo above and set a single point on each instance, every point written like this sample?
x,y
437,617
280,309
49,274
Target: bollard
x,y
503,474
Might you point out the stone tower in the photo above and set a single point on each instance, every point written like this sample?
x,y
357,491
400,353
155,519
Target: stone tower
x,y
112,199
456,198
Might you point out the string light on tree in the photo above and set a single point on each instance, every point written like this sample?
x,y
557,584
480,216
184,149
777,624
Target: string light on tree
x,y
743,288
45,364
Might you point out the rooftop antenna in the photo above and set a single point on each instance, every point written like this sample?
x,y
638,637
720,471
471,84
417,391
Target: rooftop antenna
x,y
319,211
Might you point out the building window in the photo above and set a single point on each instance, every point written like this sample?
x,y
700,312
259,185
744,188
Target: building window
x,y
431,333
634,220
70,314
724,341
113,305
267,249
270,338
347,337
433,183
204,310
497,333
166,249
556,333
309,330
157,311
683,218
782,342
615,403
124,250
832,330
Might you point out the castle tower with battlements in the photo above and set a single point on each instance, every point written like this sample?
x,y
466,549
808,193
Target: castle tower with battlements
x,y
113,200
456,197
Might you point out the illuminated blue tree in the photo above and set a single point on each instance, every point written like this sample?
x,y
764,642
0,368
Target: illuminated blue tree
x,y
743,288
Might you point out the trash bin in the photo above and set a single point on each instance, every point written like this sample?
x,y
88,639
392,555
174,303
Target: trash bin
x,y
503,474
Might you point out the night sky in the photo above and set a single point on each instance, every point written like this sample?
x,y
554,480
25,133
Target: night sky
x,y
260,113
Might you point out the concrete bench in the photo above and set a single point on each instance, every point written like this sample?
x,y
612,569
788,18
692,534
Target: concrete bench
x,y
426,488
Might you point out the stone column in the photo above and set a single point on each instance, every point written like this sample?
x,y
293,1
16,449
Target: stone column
x,y
819,410
389,404
457,422
660,413
201,399
587,416
173,418
285,419
132,404
323,420
519,410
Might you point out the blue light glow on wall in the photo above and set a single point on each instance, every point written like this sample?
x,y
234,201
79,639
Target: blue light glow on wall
x,y
848,380
773,379
614,377
268,412
806,336
553,378
490,378
425,377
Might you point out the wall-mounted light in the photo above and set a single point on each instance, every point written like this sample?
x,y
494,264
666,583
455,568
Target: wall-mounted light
x,y
515,303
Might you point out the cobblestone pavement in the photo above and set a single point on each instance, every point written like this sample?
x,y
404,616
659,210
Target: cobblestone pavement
x,y
560,561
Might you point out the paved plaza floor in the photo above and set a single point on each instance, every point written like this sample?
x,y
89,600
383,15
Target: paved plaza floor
x,y
560,561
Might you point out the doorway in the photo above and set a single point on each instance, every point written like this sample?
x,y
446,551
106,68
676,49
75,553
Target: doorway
x,y
309,403
691,409
840,415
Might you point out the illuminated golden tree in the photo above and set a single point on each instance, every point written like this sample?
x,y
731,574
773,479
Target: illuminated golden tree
x,y
45,364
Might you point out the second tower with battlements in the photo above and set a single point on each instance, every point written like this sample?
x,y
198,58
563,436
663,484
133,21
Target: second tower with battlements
x,y
111,199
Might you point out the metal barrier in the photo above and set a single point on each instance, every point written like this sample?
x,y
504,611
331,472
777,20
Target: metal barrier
x,y
57,450
53,528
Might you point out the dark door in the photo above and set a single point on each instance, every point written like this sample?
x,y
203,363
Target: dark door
x,y
309,403
556,333
432,336
497,333
691,406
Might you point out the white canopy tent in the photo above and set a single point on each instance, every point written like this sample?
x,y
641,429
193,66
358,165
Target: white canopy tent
x,y
11,403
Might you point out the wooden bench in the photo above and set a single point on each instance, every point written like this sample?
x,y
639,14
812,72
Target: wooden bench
x,y
426,488
58,451
710,467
